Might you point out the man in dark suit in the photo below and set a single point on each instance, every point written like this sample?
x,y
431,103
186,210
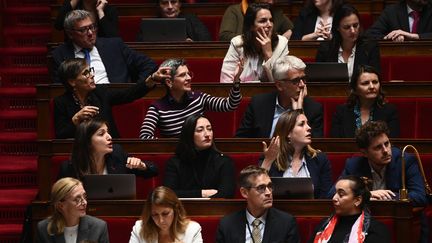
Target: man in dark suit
x,y
112,60
264,110
382,164
259,223
397,21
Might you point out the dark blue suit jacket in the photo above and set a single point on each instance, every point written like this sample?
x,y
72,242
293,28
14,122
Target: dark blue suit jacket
x,y
320,172
122,64
395,17
359,166
258,119
280,227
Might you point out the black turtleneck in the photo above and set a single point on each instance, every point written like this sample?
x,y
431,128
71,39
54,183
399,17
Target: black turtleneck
x,y
343,228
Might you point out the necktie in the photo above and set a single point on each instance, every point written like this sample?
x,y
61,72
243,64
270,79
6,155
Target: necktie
x,y
86,55
416,17
256,236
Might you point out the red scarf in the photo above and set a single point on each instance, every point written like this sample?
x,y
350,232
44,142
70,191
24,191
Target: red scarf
x,y
356,236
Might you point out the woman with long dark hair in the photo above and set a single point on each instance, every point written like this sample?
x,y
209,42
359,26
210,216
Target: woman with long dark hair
x,y
366,102
198,169
348,45
94,153
290,153
256,49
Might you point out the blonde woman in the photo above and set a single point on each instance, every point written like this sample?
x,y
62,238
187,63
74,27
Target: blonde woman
x,y
164,221
69,222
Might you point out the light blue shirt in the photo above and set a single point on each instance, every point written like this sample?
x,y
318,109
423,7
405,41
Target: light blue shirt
x,y
303,171
249,226
277,113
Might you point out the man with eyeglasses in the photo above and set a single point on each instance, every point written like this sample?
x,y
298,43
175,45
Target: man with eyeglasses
x,y
264,110
112,60
260,222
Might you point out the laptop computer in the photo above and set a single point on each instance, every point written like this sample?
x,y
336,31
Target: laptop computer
x,y
162,29
327,72
111,186
292,188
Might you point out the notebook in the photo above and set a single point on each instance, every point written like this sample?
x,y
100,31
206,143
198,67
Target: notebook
x,y
327,72
292,188
111,186
162,29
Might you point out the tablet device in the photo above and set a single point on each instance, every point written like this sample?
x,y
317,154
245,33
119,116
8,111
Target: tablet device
x,y
327,72
292,188
162,29
111,186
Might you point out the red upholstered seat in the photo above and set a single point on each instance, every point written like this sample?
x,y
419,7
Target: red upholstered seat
x,y
212,22
129,27
129,117
398,66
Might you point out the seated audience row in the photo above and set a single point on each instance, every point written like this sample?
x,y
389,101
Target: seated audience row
x,y
164,219
83,100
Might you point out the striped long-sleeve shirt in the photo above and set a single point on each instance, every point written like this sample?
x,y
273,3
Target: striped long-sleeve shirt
x,y
169,115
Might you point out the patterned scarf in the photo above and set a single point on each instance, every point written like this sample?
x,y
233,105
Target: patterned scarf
x,y
357,234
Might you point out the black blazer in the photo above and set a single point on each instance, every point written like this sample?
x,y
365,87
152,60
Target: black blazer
x,y
219,174
122,64
395,17
367,53
343,121
65,107
107,26
90,228
115,164
280,227
305,23
258,118
320,172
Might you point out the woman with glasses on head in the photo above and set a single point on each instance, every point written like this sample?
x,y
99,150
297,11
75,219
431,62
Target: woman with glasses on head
x,y
290,153
164,220
106,17
348,45
83,99
351,220
180,101
366,102
93,152
256,49
198,169
69,222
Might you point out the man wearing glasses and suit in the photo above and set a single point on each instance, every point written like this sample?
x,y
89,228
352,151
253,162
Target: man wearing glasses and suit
x,y
262,114
260,222
113,61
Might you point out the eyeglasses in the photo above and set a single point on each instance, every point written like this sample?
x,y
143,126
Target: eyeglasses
x,y
296,81
86,29
262,188
183,75
79,200
89,72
